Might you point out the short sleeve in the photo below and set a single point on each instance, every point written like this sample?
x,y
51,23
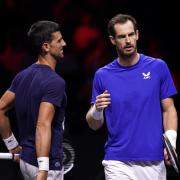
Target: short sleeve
x,y
97,87
167,85
14,84
53,92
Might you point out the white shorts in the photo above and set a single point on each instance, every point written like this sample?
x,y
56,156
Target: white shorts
x,y
148,170
30,172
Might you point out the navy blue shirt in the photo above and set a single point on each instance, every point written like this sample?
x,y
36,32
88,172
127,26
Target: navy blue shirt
x,y
39,83
134,117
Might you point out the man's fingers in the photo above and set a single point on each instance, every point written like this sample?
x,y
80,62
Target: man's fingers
x,y
103,103
42,175
105,92
103,106
166,158
16,158
103,100
103,95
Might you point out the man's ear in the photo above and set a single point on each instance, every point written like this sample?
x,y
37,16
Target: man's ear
x,y
137,34
45,47
112,40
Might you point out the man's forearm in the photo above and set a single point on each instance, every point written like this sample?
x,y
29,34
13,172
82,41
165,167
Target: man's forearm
x,y
5,128
43,134
93,123
43,140
171,124
170,119
6,133
6,103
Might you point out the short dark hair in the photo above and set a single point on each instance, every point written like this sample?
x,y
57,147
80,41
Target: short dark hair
x,y
40,32
121,19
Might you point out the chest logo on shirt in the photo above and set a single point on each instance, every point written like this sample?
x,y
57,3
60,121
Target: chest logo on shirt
x,y
57,164
146,75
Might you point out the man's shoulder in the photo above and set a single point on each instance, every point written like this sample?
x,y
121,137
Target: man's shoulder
x,y
54,80
106,68
25,70
55,77
153,60
21,73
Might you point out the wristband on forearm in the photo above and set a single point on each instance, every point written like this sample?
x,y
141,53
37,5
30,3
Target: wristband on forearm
x,y
97,115
11,142
172,136
43,163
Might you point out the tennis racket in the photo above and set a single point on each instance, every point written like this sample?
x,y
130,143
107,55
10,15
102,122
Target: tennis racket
x,y
68,153
172,153
69,156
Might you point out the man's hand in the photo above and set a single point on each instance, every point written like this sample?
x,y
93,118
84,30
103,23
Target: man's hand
x,y
94,116
166,158
103,100
42,175
16,150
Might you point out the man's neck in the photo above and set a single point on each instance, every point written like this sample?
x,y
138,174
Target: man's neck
x,y
46,60
129,61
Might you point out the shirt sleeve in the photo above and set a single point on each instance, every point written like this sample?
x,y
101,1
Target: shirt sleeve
x,y
167,85
97,87
54,92
14,84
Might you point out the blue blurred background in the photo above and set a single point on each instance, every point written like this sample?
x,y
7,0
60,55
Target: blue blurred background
x,y
84,28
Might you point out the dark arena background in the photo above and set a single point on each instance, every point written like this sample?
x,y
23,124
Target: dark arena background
x,y
84,28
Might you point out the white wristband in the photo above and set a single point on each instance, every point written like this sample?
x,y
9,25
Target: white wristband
x,y
172,136
43,163
11,142
97,115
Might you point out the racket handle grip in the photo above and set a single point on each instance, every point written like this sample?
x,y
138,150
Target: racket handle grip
x,y
8,155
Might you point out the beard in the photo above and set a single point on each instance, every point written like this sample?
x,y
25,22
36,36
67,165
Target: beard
x,y
57,57
127,54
